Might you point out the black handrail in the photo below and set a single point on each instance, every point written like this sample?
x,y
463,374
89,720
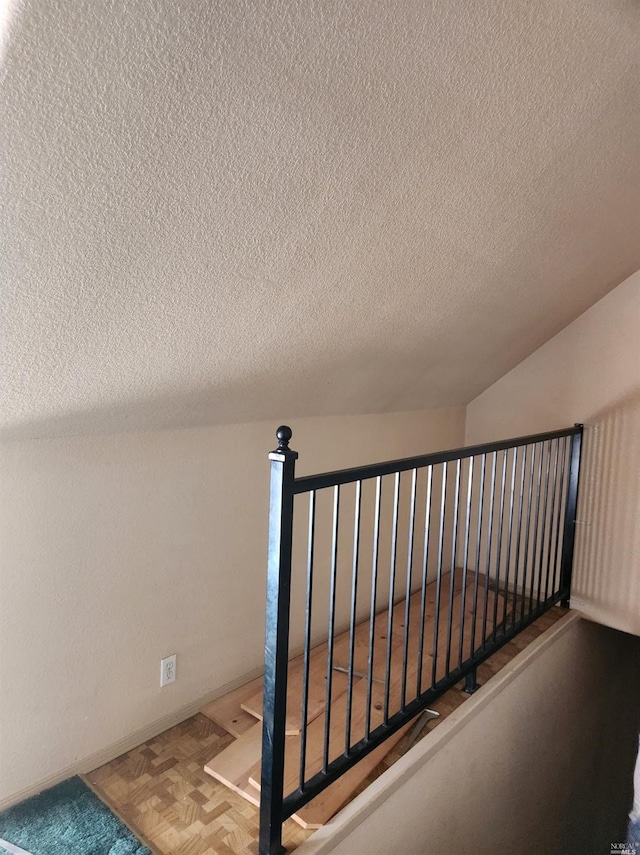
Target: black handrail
x,y
532,479
390,467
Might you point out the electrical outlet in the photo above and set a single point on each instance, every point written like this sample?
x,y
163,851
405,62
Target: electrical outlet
x,y
168,670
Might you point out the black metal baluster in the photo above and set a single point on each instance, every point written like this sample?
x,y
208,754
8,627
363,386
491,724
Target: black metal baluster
x,y
436,616
519,536
372,610
552,519
307,637
571,507
535,527
452,576
276,648
478,547
465,561
544,523
525,560
352,619
392,588
499,550
425,570
494,464
332,618
507,575
407,599
563,460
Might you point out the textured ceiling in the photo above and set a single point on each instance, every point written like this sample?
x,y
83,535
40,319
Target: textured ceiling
x,y
228,211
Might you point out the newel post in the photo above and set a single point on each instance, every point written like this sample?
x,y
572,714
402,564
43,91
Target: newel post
x,y
570,513
276,647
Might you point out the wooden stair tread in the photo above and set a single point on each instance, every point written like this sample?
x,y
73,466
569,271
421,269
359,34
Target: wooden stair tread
x,y
240,762
317,690
247,790
315,734
325,805
361,645
231,766
227,711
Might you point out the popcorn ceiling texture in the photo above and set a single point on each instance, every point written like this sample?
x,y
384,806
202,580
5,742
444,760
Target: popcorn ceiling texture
x,y
229,211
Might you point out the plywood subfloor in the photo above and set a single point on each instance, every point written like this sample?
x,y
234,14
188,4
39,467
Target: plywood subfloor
x,y
162,792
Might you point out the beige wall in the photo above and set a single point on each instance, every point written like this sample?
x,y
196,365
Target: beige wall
x,y
590,373
534,763
592,364
118,550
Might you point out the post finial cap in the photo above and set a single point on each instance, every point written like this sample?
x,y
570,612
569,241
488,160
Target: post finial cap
x,y
283,435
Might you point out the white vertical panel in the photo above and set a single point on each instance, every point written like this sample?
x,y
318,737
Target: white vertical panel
x,y
606,578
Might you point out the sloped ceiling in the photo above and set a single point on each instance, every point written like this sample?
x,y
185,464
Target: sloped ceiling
x,y
228,211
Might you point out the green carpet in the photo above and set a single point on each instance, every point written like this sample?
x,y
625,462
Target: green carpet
x,y
67,820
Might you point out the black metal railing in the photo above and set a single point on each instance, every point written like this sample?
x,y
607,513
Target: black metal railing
x,y
485,535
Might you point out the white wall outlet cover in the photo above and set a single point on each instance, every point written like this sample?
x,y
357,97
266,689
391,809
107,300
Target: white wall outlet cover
x,y
168,670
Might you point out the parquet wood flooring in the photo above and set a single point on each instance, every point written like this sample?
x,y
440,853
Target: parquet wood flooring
x,y
161,791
